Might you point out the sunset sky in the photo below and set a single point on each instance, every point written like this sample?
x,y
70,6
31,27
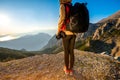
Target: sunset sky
x,y
20,17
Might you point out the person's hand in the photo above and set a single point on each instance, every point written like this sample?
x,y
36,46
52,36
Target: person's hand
x,y
58,35
61,34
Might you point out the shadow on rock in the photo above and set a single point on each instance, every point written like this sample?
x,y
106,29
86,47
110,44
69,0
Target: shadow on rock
x,y
99,46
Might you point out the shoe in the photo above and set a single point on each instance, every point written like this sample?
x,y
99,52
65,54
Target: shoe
x,y
70,72
66,70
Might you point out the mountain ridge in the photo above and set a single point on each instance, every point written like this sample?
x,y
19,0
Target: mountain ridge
x,y
116,15
27,42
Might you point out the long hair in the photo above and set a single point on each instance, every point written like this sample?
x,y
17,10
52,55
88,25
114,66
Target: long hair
x,y
64,1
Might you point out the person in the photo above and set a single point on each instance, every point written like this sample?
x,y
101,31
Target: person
x,y
68,41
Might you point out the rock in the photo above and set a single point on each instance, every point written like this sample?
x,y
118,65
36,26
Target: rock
x,y
88,66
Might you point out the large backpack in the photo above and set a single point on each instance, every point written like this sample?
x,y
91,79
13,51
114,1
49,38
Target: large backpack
x,y
78,16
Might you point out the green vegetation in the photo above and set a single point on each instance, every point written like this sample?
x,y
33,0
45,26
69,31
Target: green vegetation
x,y
53,50
84,48
82,44
50,50
111,33
100,45
9,54
116,32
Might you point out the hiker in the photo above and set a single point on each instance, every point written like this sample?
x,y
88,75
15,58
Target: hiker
x,y
68,38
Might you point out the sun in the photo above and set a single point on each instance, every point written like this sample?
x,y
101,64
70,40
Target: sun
x,y
4,19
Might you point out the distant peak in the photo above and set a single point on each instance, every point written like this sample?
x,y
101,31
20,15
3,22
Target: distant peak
x,y
118,12
116,15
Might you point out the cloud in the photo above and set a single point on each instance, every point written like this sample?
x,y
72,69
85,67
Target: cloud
x,y
6,38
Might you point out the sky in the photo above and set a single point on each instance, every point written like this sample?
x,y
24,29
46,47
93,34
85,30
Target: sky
x,y
22,17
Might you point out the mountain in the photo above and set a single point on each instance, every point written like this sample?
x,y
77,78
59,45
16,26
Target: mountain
x,y
101,37
88,66
53,46
28,42
107,35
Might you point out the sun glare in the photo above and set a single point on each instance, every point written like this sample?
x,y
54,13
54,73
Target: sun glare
x,y
4,19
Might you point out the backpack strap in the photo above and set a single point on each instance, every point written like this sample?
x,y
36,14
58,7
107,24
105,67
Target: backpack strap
x,y
67,12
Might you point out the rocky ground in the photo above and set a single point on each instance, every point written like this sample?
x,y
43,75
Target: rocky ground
x,y
88,66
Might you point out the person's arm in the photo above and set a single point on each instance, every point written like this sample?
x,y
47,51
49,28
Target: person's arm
x,y
61,17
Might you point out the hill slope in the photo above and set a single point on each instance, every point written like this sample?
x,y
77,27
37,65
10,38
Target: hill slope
x,y
10,54
88,66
